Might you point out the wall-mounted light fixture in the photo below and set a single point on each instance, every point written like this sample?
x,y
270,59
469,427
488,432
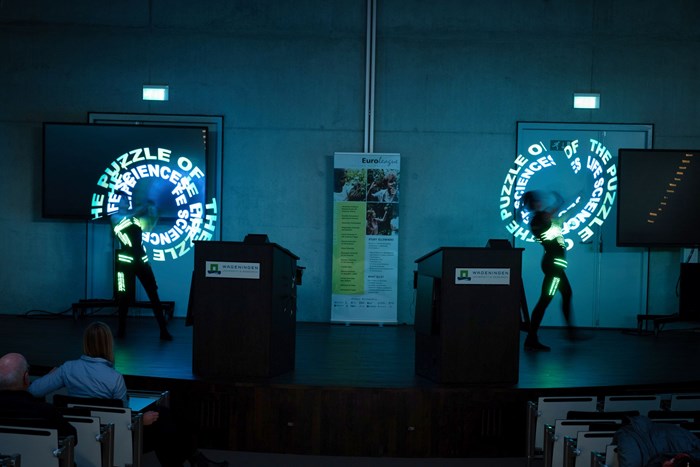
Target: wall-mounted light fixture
x,y
586,100
155,92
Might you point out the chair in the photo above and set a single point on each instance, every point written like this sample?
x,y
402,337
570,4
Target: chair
x,y
554,454
128,426
37,446
578,451
96,440
607,458
127,421
674,416
685,402
128,432
545,412
643,404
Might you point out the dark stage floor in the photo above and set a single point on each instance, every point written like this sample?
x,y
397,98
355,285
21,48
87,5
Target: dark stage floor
x,y
375,357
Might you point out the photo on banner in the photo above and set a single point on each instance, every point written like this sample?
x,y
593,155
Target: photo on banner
x,y
365,237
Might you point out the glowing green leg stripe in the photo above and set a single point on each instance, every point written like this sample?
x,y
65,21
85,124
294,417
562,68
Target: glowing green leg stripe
x,y
553,286
121,282
125,258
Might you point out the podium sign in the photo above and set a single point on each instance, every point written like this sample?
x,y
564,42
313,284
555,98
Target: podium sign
x,y
468,315
243,310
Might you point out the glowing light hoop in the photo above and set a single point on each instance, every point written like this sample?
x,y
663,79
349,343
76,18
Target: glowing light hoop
x,y
196,218
594,178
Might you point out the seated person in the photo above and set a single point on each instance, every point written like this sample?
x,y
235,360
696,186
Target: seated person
x,y
93,376
17,403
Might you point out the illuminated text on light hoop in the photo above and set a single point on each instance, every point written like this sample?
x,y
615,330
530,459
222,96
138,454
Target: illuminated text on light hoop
x,y
590,173
196,218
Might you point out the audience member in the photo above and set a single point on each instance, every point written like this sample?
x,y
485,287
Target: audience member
x,y
17,403
94,376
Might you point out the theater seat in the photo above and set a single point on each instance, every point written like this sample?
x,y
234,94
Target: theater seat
x,y
578,450
685,402
128,426
545,412
641,403
37,446
96,440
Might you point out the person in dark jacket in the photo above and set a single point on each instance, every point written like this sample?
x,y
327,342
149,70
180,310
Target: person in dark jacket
x,y
648,443
17,403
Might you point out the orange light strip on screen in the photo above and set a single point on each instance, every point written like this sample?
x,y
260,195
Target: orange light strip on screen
x,y
671,188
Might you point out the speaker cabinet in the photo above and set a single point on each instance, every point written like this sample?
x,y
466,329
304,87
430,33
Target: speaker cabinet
x,y
689,300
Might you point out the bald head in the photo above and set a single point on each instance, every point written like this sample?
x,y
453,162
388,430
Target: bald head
x,y
13,372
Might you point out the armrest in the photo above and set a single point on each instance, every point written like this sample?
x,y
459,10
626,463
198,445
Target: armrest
x,y
137,437
13,460
106,439
66,451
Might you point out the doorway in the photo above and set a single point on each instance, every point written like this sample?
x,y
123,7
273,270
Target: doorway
x,y
609,283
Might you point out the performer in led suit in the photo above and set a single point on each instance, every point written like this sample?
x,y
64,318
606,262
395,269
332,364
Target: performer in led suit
x,y
132,261
548,232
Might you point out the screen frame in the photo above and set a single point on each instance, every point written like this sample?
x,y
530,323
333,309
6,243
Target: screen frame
x,y
70,214
623,154
215,146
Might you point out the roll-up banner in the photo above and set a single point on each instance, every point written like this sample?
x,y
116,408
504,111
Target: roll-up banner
x,y
365,237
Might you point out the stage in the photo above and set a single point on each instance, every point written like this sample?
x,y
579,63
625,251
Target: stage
x,y
354,390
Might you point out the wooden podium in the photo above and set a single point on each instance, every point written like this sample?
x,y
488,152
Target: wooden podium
x,y
468,315
243,310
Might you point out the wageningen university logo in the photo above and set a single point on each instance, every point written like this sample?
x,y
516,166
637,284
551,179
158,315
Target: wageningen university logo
x,y
482,276
235,270
463,275
583,171
196,218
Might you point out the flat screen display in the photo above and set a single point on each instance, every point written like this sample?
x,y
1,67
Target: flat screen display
x,y
658,198
85,165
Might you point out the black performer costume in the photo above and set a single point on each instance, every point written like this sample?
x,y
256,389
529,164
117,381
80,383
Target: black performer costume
x,y
132,262
548,233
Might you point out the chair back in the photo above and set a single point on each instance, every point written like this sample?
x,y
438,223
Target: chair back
x,y
36,446
93,449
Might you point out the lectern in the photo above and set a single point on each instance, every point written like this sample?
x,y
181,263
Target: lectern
x,y
242,309
468,315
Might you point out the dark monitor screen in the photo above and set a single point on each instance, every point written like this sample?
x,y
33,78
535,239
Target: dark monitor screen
x,y
85,164
658,198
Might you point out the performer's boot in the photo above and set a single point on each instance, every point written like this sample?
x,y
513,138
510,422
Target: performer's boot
x,y
164,334
532,343
121,329
200,460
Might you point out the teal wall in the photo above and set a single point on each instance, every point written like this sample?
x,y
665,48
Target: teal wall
x,y
453,77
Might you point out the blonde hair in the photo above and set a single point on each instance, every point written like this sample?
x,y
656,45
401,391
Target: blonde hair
x,y
98,341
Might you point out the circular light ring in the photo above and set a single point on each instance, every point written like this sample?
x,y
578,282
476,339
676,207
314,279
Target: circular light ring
x,y
175,180
582,172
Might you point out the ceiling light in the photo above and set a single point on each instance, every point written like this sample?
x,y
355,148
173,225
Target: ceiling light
x,y
155,92
586,101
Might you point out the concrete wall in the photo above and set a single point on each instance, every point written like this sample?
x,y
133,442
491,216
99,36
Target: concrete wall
x,y
453,77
